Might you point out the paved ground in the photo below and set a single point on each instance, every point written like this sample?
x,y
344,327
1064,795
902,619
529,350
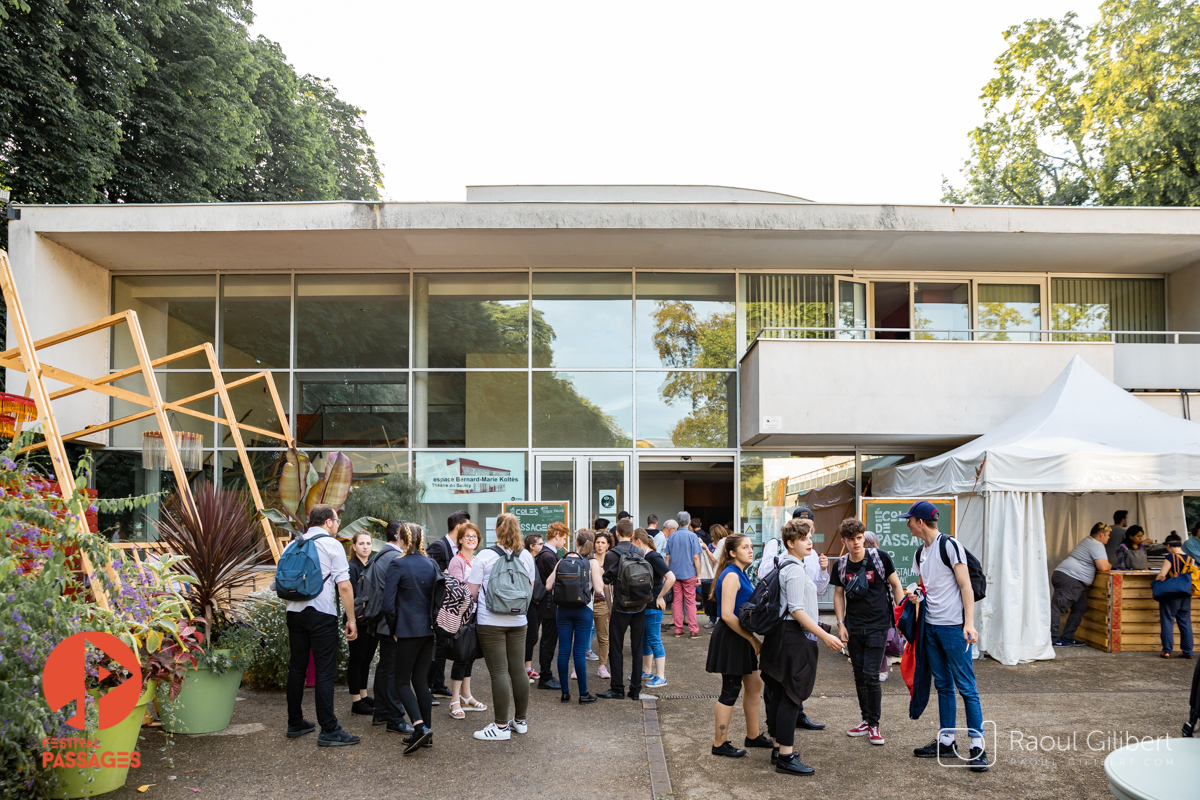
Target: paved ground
x,y
600,750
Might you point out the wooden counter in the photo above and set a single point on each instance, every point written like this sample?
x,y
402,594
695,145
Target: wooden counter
x,y
1122,614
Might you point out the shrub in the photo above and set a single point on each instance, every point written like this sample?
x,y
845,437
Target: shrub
x,y
266,613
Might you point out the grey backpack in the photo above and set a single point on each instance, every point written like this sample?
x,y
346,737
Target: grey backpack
x,y
509,587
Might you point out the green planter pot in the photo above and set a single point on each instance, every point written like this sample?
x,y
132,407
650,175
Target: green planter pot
x,y
120,738
204,705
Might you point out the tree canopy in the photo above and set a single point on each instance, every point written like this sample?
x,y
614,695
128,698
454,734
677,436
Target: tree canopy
x,y
154,101
1101,115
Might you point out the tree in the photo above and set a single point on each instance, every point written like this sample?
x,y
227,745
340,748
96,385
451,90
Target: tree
x,y
1106,115
683,339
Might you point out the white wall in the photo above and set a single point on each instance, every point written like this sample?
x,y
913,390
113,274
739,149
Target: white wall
x,y
60,290
1156,366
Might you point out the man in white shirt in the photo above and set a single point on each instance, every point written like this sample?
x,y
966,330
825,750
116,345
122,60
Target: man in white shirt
x,y
313,627
949,631
817,567
660,537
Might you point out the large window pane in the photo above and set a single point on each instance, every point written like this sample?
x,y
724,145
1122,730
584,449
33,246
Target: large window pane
x,y
352,409
582,409
582,319
1013,311
173,386
471,320
685,320
352,321
471,409
942,311
1108,304
253,405
256,320
791,302
685,409
175,312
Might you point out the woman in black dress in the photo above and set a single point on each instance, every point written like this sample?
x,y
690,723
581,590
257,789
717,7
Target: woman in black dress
x,y
732,650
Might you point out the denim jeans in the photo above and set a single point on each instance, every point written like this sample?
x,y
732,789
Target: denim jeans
x,y
652,644
1172,611
950,661
574,625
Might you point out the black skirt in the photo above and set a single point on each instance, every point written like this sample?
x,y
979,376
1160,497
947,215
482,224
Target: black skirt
x,y
729,653
790,657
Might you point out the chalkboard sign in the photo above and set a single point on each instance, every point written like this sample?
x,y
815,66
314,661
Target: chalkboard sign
x,y
536,517
881,515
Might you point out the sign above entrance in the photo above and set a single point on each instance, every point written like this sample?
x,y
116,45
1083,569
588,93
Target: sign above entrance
x,y
536,517
472,477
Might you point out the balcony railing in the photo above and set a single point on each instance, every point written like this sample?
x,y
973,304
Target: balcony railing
x,y
978,335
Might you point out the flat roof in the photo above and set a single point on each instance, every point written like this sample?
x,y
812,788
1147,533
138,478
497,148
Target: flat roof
x,y
354,235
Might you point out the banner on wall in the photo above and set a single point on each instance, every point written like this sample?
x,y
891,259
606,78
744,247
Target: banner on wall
x,y
472,477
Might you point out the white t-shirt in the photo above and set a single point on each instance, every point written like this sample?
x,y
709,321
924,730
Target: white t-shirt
x,y
334,567
943,600
481,571
812,565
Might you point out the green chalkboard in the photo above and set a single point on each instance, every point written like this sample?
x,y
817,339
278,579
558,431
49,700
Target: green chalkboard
x,y
881,515
536,517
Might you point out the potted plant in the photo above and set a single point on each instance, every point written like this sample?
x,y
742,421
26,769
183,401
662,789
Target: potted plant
x,y
219,547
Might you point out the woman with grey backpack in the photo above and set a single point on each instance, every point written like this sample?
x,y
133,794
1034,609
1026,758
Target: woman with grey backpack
x,y
501,580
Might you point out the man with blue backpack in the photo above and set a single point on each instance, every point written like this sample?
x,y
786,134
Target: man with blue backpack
x,y
309,570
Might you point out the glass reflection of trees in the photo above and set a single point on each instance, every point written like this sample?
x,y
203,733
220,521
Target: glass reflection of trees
x,y
684,338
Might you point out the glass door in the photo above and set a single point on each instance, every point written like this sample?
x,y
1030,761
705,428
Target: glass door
x,y
852,313
595,486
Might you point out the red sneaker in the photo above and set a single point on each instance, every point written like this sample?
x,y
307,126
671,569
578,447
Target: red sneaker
x,y
875,736
533,675
860,729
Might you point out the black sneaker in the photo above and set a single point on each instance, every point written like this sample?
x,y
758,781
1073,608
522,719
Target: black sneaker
x,y
440,691
762,740
612,694
421,737
369,701
566,697
361,708
803,722
728,750
978,762
304,727
338,738
400,727
1062,642
549,683
936,749
584,699
1078,643
791,765
774,755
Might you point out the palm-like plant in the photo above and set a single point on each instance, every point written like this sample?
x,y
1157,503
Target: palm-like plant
x,y
220,540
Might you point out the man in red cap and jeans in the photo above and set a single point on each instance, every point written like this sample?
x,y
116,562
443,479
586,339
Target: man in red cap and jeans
x,y
948,611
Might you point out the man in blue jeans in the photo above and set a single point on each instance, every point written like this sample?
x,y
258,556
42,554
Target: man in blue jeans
x,y
949,615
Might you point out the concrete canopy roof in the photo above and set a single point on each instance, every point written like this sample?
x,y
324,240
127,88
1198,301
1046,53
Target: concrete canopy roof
x,y
661,235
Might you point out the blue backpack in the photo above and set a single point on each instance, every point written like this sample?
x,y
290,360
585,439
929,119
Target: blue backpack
x,y
298,575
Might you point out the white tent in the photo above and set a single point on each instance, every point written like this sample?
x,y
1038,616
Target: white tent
x,y
1027,493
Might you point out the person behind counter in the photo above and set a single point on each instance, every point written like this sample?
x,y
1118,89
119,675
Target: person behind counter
x,y
1070,581
1132,554
1120,521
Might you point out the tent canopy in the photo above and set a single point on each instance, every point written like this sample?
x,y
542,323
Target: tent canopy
x,y
1083,434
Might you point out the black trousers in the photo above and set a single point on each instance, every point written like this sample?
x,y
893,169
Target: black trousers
x,y
618,623
311,631
782,713
1069,595
437,668
866,654
387,701
548,646
413,657
358,670
532,626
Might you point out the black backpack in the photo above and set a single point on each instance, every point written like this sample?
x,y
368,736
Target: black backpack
x,y
635,581
974,568
761,613
573,581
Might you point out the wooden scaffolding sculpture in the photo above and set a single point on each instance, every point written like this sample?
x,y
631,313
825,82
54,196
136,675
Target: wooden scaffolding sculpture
x,y
24,357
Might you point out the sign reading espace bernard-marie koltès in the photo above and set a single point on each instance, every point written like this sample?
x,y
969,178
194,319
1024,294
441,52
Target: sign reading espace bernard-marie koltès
x,y
472,477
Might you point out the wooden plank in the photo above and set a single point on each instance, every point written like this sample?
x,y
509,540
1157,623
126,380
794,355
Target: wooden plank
x,y
1114,614
126,373
73,333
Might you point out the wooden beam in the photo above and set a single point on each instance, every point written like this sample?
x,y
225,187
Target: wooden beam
x,y
125,373
41,399
74,333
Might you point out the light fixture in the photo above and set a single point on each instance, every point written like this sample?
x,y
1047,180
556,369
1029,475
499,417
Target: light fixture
x,y
190,447
14,408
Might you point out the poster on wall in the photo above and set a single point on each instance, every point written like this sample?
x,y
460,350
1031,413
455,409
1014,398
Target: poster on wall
x,y
607,502
472,477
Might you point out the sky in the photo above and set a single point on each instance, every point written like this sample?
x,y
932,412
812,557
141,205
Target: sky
x,y
862,102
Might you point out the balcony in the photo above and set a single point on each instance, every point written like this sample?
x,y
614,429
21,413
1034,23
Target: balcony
x,y
839,392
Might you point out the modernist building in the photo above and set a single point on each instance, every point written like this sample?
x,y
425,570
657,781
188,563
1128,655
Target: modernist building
x,y
649,348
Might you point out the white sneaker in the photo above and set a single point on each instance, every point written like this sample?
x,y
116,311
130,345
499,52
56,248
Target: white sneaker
x,y
493,734
590,656
883,676
519,727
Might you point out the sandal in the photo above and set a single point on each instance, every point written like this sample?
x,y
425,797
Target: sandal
x,y
471,704
1166,654
457,713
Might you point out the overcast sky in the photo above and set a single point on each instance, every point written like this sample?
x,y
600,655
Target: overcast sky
x,y
841,102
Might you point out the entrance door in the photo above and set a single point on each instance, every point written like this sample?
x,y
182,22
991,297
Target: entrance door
x,y
595,486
